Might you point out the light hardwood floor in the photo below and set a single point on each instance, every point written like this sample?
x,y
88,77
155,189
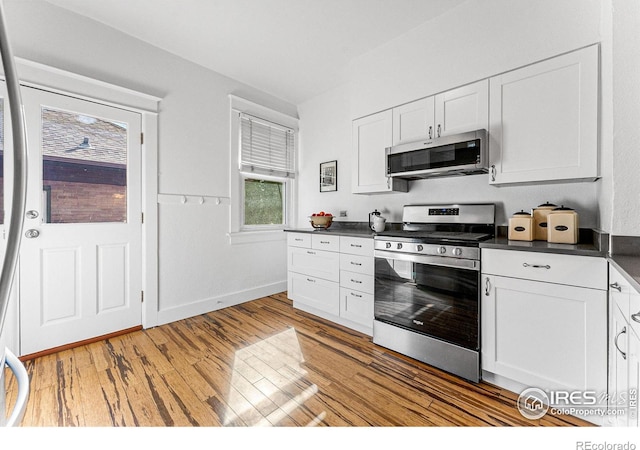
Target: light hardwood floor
x,y
258,363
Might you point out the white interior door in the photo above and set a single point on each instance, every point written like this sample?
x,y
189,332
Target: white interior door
x,y
80,263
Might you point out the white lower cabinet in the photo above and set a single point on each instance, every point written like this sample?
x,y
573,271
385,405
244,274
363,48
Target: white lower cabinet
x,y
314,272
357,282
314,292
357,307
624,353
332,277
316,263
537,333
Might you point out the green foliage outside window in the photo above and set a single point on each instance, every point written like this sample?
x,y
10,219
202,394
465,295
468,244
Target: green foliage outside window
x,y
263,202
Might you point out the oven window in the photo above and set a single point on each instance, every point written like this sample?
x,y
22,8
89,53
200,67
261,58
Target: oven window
x,y
441,302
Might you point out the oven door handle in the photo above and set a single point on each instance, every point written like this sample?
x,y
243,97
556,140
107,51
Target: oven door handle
x,y
458,263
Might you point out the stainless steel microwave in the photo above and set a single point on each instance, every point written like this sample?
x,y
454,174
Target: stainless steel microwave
x,y
460,154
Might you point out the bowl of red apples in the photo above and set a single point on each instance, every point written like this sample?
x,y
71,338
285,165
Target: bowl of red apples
x,y
321,220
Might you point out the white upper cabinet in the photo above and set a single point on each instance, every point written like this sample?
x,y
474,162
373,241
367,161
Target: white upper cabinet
x,y
456,111
543,123
463,109
414,121
371,136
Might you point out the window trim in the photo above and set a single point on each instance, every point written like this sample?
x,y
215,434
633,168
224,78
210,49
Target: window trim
x,y
238,233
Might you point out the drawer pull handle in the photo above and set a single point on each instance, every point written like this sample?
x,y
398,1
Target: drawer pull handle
x,y
356,281
615,341
536,266
616,286
311,253
636,317
299,239
311,280
356,245
356,295
355,263
324,242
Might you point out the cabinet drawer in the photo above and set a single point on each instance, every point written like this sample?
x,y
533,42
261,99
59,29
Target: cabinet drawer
x,y
314,292
315,263
356,281
357,263
584,271
356,246
299,239
356,306
325,242
619,290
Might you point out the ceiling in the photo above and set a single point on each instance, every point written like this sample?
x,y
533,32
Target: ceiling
x,y
292,49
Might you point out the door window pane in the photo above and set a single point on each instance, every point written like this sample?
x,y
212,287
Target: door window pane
x,y
84,162
263,202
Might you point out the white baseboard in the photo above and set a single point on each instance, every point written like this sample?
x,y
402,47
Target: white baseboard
x,y
214,303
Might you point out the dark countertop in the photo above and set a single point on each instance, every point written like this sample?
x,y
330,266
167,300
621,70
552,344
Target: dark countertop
x,y
591,243
352,229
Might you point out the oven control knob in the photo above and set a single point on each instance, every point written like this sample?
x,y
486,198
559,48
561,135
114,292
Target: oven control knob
x,y
388,245
399,246
442,250
420,247
457,251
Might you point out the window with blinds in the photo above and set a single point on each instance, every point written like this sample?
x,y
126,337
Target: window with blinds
x,y
266,148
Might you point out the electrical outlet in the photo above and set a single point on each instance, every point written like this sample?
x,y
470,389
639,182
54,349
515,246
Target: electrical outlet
x,y
343,214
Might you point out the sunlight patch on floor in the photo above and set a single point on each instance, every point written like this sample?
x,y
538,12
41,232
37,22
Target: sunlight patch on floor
x,y
268,383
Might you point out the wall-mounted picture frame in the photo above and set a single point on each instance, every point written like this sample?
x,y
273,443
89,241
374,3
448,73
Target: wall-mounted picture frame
x,y
329,176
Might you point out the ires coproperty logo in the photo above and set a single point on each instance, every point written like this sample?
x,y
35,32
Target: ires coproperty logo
x,y
533,403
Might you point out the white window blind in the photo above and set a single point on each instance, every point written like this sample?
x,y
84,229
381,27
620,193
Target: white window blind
x,y
266,148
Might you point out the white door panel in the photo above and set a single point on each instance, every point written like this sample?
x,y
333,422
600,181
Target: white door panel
x,y
80,277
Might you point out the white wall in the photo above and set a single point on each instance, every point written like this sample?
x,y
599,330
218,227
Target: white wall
x,y
499,35
198,269
626,118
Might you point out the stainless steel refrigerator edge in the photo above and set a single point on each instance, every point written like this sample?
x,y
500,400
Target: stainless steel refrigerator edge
x,y
14,235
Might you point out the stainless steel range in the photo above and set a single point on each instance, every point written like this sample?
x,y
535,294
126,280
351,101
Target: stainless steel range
x,y
427,285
